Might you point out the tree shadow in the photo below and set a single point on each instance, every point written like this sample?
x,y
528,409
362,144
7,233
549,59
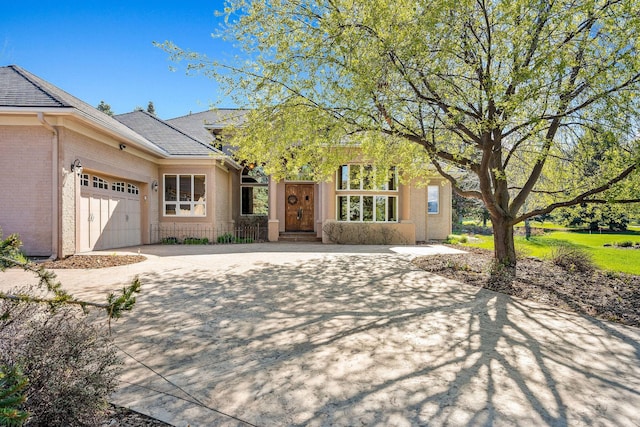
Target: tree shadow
x,y
371,339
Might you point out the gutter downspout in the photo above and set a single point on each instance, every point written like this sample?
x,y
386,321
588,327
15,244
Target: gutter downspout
x,y
55,181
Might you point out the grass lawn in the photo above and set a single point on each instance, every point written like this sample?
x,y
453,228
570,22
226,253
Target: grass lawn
x,y
612,258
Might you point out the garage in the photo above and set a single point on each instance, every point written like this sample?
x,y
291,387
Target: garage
x,y
109,213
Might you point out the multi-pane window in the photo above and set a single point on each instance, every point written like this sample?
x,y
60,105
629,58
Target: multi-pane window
x,y
254,191
365,196
365,178
433,199
118,186
133,189
100,183
368,208
184,195
87,180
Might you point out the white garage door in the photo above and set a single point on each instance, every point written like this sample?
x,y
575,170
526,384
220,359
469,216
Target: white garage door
x,y
109,213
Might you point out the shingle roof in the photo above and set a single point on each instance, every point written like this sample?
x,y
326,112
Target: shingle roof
x,y
200,125
21,89
173,140
18,90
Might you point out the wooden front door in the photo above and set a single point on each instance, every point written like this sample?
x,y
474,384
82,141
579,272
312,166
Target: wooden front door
x,y
299,208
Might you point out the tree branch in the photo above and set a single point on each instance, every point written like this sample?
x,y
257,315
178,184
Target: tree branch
x,y
582,198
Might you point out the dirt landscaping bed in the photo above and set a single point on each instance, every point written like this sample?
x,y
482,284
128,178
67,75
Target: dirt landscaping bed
x,y
93,261
605,295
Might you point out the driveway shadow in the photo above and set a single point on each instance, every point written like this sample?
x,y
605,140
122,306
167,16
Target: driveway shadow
x,y
370,340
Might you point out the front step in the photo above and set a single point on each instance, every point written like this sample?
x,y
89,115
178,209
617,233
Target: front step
x,y
299,236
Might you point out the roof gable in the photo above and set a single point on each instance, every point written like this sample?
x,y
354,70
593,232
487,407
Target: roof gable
x,y
23,90
20,89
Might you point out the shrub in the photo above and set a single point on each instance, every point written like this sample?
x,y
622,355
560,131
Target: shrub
x,y
70,363
195,241
246,240
367,233
226,238
572,259
624,244
454,239
170,241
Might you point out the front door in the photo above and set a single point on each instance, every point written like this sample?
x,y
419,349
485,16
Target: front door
x,y
299,207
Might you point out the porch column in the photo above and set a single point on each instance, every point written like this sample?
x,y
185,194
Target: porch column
x,y
274,223
319,209
406,226
405,203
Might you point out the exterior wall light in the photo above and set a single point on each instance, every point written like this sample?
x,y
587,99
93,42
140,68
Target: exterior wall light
x,y
76,167
154,186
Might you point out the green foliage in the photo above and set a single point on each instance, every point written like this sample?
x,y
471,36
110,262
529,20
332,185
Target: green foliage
x,y
454,239
466,208
12,385
170,241
594,217
226,238
10,251
602,247
533,102
230,238
195,241
10,256
105,108
245,240
119,303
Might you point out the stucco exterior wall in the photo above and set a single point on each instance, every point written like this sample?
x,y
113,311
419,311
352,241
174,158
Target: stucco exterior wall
x,y
439,225
26,191
414,224
419,211
223,199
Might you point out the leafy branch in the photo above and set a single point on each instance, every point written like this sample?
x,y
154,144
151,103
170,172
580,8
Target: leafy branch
x,y
10,256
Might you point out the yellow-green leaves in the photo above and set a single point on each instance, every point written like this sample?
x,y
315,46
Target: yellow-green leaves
x,y
506,89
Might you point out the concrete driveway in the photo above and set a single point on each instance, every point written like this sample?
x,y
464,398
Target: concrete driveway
x,y
319,335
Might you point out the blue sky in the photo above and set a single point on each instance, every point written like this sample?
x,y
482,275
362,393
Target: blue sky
x,y
102,50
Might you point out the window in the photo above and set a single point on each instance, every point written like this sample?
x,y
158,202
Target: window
x,y
433,199
84,179
353,206
118,186
184,195
368,208
100,183
254,191
365,178
133,189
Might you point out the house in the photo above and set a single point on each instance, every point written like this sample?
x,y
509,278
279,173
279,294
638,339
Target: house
x,y
346,209
74,179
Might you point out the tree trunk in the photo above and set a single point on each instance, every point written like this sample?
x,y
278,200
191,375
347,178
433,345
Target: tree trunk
x,y
504,249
